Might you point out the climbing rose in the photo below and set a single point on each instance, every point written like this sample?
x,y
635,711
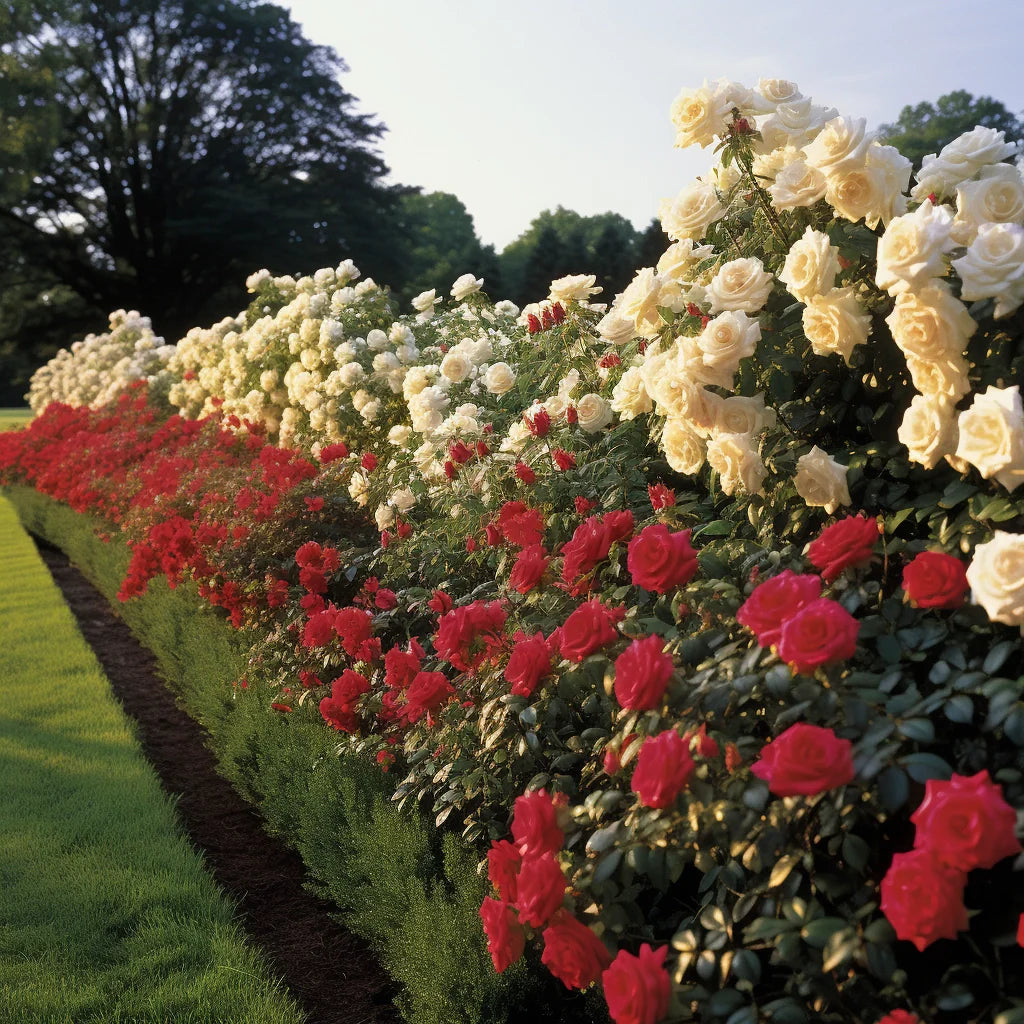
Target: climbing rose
x,y
637,989
843,545
663,768
659,560
505,936
936,580
805,760
572,952
519,524
642,672
922,898
428,692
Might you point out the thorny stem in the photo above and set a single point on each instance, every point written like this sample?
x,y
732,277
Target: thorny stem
x,y
763,198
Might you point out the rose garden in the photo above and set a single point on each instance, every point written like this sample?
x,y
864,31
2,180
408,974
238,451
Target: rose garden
x,y
652,657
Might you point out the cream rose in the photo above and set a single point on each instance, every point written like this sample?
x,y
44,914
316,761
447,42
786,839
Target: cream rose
x,y
797,184
684,448
629,396
821,481
616,329
872,192
358,488
403,499
680,258
727,339
456,366
994,267
739,414
992,436
931,323
996,197
910,253
929,430
835,323
960,160
465,286
400,435
384,516
425,301
639,302
737,463
773,91
699,115
946,376
741,284
811,266
578,287
691,212
841,145
996,576
594,413
499,378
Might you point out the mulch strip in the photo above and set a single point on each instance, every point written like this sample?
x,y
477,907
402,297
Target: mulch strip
x,y
328,970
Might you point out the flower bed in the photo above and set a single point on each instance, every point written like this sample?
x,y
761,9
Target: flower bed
x,y
662,606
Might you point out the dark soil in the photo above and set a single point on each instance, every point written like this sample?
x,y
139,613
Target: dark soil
x,y
327,970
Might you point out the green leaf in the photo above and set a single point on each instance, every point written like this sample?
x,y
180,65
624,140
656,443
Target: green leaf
x,y
820,930
996,658
855,851
783,868
919,729
922,766
959,708
893,788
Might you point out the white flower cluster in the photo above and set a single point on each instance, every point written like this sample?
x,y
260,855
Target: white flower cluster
x,y
98,368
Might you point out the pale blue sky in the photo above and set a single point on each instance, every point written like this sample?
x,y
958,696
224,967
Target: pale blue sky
x,y
520,106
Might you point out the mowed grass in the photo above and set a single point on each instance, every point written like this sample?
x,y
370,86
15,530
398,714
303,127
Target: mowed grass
x,y
106,912
10,418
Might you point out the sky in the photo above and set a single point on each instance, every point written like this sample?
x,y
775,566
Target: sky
x,y
526,105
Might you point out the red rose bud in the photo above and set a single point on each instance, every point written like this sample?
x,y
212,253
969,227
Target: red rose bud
x,y
1020,931
663,767
532,324
642,674
659,560
537,420
741,126
547,319
844,545
571,415
693,309
563,460
449,469
936,580
572,952
492,535
775,600
368,462
385,538
583,505
557,313
820,633
661,496
805,760
482,449
703,744
404,529
611,764
440,602
932,198
641,347
733,757
966,821
460,452
505,936
606,362
527,475
637,989
923,898
470,545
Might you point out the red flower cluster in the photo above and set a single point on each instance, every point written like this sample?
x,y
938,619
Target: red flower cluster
x,y
339,709
519,524
589,546
471,636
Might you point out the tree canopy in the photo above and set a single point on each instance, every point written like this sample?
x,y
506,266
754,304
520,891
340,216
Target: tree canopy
x,y
925,128
155,152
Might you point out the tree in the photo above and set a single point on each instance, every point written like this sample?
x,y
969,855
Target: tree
x,y
925,127
164,149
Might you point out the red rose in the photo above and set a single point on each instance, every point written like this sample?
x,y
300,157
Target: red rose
x,y
519,524
899,1017
642,673
428,692
589,628
400,667
333,452
660,560
319,629
503,861
661,496
563,460
385,599
535,827
469,636
637,989
440,602
820,633
663,767
702,743
527,475
966,822
774,601
537,420
923,898
936,580
850,542
529,568
353,626
529,664
540,889
339,716
572,952
368,462
1020,931
805,760
583,505
505,936
589,545
620,525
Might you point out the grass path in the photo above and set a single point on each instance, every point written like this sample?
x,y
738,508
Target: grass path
x,y
107,915
10,418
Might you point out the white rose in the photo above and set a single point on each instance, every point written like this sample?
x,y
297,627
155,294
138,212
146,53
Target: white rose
x,y
499,378
370,411
835,323
811,265
841,145
996,576
399,435
629,396
792,124
994,267
385,516
466,285
376,340
728,338
992,436
455,366
737,463
725,178
358,488
616,329
691,212
425,301
996,197
680,258
403,499
929,430
910,253
739,414
506,307
741,284
873,191
639,302
594,413
577,287
931,323
700,115
351,374
960,160
797,184
773,91
684,448
946,376
821,481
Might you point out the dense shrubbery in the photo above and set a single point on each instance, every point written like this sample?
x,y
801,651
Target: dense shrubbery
x,y
732,762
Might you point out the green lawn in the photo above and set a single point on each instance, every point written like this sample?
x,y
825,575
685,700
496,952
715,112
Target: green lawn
x,y
14,418
106,912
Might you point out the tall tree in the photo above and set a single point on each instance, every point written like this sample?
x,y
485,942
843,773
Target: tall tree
x,y
195,141
925,128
